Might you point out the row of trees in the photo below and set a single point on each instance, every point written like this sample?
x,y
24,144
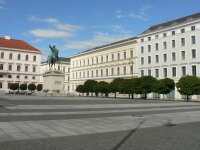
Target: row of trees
x,y
187,85
31,87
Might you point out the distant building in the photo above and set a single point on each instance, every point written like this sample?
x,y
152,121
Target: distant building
x,y
171,49
64,67
105,63
19,62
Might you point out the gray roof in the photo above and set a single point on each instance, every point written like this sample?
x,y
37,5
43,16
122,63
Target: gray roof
x,y
110,44
172,22
63,59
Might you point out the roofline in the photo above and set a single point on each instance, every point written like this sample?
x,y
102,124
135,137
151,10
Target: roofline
x,y
104,46
15,49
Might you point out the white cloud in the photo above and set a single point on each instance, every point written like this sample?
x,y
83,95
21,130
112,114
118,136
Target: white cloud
x,y
142,15
98,39
49,33
37,40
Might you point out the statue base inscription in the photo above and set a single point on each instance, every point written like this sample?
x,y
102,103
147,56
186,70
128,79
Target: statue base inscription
x,y
53,81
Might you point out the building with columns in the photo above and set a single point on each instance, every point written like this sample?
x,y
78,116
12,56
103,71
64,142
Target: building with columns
x,y
64,67
171,49
19,63
105,63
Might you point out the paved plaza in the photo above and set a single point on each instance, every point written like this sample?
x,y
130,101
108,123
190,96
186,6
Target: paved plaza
x,y
82,123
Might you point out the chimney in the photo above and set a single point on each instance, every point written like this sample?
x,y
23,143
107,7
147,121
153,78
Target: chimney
x,y
7,37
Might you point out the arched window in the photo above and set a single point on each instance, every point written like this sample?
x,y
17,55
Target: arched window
x,y
18,67
18,57
34,58
1,85
10,56
2,55
26,57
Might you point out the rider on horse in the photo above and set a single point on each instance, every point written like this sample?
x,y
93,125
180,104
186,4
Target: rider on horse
x,y
53,58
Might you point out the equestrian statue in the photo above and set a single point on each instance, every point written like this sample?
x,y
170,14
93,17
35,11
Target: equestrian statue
x,y
53,58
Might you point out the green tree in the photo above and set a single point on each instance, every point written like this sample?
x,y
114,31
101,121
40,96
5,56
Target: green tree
x,y
163,86
102,87
188,85
31,87
23,86
39,87
14,86
89,86
115,85
146,85
80,89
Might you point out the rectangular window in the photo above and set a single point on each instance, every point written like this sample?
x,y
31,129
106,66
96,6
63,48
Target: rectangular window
x,y
164,34
173,32
183,30
118,71
183,55
156,36
106,72
92,61
165,57
173,71
124,70
173,56
106,58
157,59
149,38
142,73
149,72
193,40
1,75
131,54
173,44
101,72
142,60
131,70
142,49
194,53
149,48
92,73
149,59
192,28
101,59
182,41
1,66
156,46
124,55
118,56
96,60
194,70
157,73
142,40
164,45
10,67
112,57
26,68
183,69
112,71
96,73
164,72
9,76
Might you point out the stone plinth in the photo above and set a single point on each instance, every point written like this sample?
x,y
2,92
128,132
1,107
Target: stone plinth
x,y
53,81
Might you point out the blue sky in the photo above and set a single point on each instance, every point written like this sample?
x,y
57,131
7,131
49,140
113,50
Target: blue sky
x,y
77,25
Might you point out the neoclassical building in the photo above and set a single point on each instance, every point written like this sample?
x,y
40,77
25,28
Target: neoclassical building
x,y
64,67
19,62
105,63
171,49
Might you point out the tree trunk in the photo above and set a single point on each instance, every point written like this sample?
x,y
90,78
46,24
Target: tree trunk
x,y
187,98
115,94
129,96
132,96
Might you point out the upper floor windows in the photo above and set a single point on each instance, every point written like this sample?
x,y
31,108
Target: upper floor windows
x,y
194,53
149,59
118,56
173,56
149,38
164,34
157,58
106,58
34,69
183,55
124,55
131,54
164,45
149,48
156,36
96,60
173,44
26,68
182,41
142,49
9,67
2,55
142,60
193,28
193,40
112,57
18,57
18,67
10,56
1,66
101,59
26,58
173,32
183,30
34,58
156,45
142,40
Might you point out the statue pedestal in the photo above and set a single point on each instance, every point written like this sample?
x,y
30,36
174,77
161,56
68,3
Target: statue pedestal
x,y
53,81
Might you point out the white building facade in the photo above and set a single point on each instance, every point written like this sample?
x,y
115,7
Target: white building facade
x,y
105,63
19,63
64,67
171,49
